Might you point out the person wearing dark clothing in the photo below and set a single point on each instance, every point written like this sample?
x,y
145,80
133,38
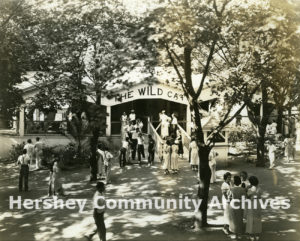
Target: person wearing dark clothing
x,y
23,163
151,150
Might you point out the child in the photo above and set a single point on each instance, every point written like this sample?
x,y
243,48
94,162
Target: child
x,y
141,150
23,162
107,158
151,150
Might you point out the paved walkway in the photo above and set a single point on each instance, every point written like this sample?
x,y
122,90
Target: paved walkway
x,y
143,182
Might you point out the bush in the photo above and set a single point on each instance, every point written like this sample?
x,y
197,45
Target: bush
x,y
14,153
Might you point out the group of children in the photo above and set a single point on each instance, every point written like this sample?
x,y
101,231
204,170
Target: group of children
x,y
234,217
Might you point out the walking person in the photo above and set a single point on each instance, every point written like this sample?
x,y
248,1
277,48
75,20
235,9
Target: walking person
x,y
174,158
30,150
167,157
23,163
140,147
107,159
253,217
100,161
236,214
213,164
38,150
225,188
194,155
151,150
99,210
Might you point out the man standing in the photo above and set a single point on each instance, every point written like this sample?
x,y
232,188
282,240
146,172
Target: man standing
x,y
23,162
30,150
151,150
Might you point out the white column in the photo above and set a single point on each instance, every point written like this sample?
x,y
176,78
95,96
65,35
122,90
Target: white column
x,y
22,121
108,121
188,120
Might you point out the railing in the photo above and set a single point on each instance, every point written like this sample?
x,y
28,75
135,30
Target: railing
x,y
46,127
158,140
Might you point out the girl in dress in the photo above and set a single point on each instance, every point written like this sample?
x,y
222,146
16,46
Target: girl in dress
x,y
253,217
167,157
194,156
236,214
212,164
272,156
174,158
225,188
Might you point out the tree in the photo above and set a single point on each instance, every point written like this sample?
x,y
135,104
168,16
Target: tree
x,y
16,47
196,38
84,46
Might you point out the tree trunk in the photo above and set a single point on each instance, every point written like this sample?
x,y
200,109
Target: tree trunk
x,y
279,120
261,144
93,160
204,171
203,188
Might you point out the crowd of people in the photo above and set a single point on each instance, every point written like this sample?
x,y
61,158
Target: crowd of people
x,y
234,218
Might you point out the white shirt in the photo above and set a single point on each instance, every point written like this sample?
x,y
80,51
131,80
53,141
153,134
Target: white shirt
x,y
99,202
23,159
132,116
174,121
106,155
30,148
125,144
140,140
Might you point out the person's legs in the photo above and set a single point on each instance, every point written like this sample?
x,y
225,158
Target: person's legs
x,y
21,179
139,150
26,174
143,151
101,229
133,147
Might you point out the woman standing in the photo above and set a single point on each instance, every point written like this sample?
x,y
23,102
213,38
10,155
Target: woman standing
x,y
174,158
225,188
236,214
212,164
253,217
167,157
194,156
288,150
272,156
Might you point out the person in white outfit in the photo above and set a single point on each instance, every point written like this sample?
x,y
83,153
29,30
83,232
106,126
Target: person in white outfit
x,y
272,156
213,164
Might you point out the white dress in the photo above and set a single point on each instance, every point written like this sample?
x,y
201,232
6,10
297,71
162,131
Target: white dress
x,y
212,165
174,157
225,188
194,153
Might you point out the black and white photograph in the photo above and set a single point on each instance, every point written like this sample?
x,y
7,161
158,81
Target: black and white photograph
x,y
149,120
